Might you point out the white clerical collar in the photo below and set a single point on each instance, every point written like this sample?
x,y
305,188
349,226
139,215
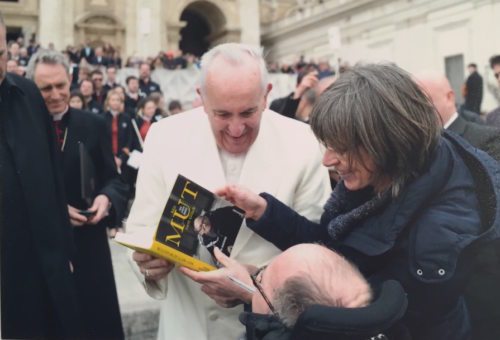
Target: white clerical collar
x,y
59,116
232,165
451,120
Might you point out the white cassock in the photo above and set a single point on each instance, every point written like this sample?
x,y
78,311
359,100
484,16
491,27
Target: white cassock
x,y
284,160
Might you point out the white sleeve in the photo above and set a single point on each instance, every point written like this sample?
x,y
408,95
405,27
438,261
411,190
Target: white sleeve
x,y
151,195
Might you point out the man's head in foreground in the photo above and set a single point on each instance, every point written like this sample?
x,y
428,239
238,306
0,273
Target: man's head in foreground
x,y
305,275
234,87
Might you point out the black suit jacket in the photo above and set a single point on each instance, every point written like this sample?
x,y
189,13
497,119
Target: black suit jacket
x,y
474,96
149,88
92,131
287,106
87,55
131,104
94,106
482,137
470,116
125,133
103,61
93,267
38,293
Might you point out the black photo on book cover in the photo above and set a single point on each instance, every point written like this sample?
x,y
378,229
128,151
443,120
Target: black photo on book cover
x,y
219,228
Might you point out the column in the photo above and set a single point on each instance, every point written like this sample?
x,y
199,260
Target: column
x,y
147,28
51,30
68,23
249,21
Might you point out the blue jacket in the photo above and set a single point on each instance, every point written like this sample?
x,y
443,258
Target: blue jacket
x,y
422,238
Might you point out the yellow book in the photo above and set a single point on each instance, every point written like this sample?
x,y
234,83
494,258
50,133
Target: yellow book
x,y
193,217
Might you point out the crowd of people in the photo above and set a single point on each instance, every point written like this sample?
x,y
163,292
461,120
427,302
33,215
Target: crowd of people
x,y
395,182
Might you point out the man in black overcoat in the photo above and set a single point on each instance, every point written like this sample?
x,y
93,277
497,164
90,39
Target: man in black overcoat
x,y
78,131
38,298
473,90
482,293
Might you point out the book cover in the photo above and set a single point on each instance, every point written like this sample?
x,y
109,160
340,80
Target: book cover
x,y
193,217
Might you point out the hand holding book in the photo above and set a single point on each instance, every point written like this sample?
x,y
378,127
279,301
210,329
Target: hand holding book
x,y
218,285
152,267
253,204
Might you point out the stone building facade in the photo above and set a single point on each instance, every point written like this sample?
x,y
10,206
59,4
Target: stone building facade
x,y
443,35
432,35
136,27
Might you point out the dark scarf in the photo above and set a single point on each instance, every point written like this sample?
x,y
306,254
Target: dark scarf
x,y
345,209
263,327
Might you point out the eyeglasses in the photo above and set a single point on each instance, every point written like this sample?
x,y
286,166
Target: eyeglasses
x,y
256,283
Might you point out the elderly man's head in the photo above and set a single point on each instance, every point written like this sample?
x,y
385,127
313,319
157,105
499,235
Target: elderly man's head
x,y
438,89
234,88
305,275
50,71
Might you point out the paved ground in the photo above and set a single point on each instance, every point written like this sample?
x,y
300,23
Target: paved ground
x,y
139,311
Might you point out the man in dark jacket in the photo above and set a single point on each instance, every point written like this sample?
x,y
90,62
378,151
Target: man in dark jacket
x,y
38,298
146,85
482,294
442,95
83,139
473,90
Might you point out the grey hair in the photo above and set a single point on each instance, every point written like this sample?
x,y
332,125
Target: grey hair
x,y
379,108
338,284
45,56
233,53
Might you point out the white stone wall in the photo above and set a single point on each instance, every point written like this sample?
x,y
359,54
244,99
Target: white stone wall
x,y
417,35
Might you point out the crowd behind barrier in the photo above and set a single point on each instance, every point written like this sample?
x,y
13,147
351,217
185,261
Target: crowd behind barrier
x,y
181,84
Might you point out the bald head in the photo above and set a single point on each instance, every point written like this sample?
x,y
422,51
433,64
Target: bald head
x,y
309,274
438,89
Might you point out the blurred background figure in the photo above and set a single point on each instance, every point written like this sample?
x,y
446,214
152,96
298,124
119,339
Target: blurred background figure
x,y
473,90
159,101
493,118
76,100
174,107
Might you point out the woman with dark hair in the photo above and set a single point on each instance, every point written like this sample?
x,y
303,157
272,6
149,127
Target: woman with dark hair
x,y
412,204
76,100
